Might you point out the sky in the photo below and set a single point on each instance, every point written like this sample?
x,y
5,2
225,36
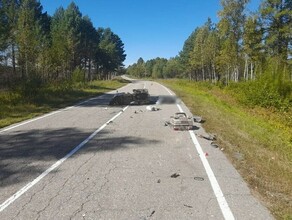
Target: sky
x,y
148,28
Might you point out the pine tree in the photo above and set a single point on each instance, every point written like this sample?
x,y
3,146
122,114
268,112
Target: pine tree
x,y
29,36
277,23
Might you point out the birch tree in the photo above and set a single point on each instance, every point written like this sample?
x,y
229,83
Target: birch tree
x,y
230,27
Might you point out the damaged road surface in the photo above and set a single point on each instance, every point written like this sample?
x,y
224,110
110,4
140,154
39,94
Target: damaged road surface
x,y
94,161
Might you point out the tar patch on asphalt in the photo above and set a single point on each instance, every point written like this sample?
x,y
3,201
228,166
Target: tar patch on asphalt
x,y
175,175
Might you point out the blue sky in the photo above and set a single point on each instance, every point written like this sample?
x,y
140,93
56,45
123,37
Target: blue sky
x,y
148,28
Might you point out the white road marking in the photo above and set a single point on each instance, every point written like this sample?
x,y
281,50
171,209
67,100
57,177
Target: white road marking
x,y
55,165
179,108
46,115
29,121
52,113
225,209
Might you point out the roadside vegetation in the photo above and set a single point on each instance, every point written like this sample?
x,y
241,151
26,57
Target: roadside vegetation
x,y
49,62
18,104
237,74
256,139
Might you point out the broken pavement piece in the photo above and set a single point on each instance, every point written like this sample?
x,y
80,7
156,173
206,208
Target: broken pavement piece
x,y
188,206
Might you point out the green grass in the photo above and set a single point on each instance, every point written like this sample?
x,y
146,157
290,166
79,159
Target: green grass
x,y
262,137
16,107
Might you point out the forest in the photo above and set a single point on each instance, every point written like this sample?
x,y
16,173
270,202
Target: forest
x,y
250,52
38,49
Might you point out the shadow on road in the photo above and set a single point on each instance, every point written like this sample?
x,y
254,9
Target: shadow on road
x,y
26,154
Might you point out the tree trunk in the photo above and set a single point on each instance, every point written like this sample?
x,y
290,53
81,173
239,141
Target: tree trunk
x,y
245,74
251,70
13,61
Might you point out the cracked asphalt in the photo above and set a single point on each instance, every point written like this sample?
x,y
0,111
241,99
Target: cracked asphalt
x,y
124,172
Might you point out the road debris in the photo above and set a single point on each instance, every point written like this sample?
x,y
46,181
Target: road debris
x,y
166,123
197,119
180,121
209,137
152,213
152,108
206,154
159,181
199,178
213,144
188,206
175,175
138,97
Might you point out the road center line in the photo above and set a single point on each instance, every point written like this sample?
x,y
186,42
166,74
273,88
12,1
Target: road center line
x,y
57,164
225,209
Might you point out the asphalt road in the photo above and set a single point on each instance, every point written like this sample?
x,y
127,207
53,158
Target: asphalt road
x,y
123,167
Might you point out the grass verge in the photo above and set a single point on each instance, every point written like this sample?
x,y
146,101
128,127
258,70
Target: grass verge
x,y
257,141
14,107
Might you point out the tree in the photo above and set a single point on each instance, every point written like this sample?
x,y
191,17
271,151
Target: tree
x,y
89,45
185,54
252,46
111,52
159,68
277,24
73,19
173,68
66,47
29,35
8,29
230,31
59,49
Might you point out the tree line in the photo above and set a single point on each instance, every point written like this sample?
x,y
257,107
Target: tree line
x,y
64,46
240,47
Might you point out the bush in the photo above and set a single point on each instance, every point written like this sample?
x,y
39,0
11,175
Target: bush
x,y
30,87
265,92
78,76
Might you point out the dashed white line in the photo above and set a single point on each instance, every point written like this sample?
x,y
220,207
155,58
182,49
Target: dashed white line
x,y
225,209
55,165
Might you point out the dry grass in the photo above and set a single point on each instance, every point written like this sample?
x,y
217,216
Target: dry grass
x,y
262,138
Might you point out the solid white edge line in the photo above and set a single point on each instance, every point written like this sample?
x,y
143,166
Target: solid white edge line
x,y
29,121
225,209
19,193
52,113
